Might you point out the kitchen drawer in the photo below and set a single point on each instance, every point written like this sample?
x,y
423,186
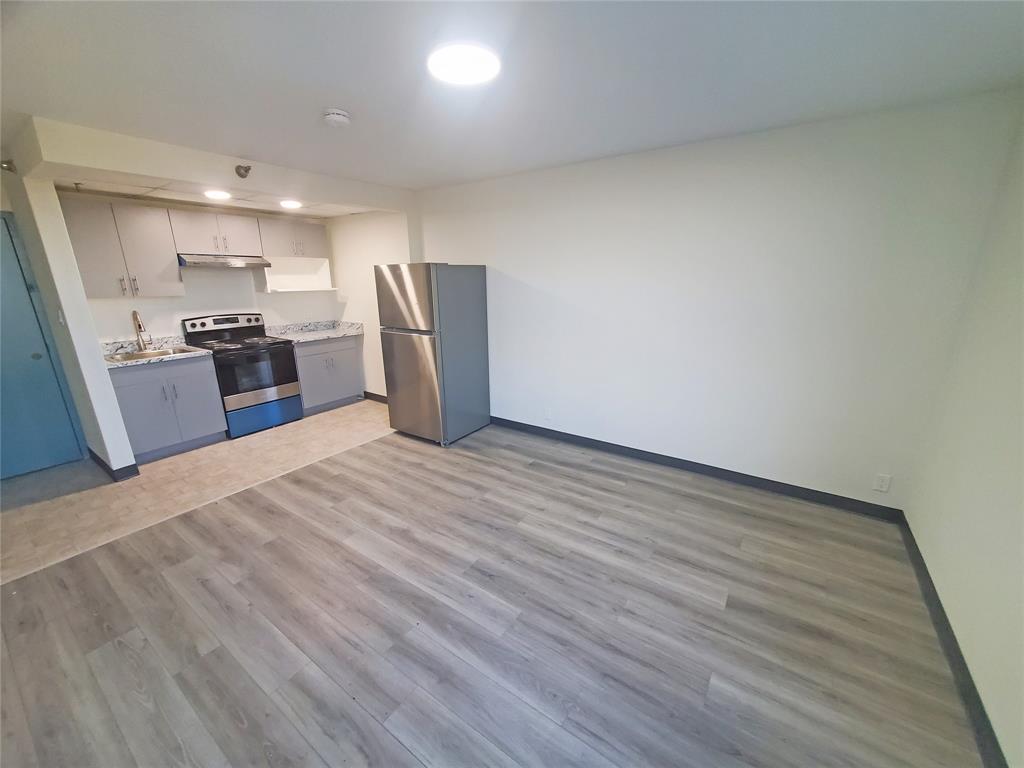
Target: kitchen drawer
x,y
306,348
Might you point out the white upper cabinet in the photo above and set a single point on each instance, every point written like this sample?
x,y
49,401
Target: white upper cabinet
x,y
240,235
278,238
312,241
195,232
149,251
97,247
282,237
122,249
215,233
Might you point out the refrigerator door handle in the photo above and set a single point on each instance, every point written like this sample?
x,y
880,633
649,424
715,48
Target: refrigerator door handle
x,y
408,332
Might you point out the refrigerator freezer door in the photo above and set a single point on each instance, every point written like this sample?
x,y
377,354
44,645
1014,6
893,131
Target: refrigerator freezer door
x,y
405,297
414,390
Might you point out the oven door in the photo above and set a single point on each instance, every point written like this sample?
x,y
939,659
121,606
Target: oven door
x,y
256,376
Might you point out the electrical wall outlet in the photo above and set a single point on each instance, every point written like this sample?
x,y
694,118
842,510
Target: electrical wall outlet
x,y
882,483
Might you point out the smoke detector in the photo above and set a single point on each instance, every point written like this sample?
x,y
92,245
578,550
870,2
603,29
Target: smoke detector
x,y
336,118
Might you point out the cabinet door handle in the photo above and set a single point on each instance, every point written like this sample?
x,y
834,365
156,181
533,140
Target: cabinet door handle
x,y
174,389
163,389
124,286
294,248
216,244
135,284
225,238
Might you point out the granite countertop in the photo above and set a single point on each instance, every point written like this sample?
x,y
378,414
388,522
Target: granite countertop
x,y
196,352
316,331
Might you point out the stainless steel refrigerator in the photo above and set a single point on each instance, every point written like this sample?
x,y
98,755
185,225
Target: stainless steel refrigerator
x,y
433,332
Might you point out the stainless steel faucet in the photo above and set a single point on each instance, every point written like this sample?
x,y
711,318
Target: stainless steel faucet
x,y
139,330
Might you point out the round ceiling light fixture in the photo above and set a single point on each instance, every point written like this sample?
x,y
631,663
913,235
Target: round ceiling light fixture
x,y
336,118
217,194
291,204
464,64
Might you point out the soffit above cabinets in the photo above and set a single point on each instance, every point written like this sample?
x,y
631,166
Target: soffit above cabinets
x,y
184,192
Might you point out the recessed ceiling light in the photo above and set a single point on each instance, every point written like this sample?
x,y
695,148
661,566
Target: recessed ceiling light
x,y
217,194
464,64
291,204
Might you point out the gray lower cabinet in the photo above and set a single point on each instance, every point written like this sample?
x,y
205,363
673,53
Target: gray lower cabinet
x,y
168,403
147,412
329,370
197,401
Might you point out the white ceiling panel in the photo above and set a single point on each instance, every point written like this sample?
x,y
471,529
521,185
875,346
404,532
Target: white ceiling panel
x,y
579,80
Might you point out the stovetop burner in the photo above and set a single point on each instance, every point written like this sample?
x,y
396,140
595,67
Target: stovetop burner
x,y
253,342
220,344
263,340
224,333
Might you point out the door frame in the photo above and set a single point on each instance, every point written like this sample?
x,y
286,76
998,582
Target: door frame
x,y
21,255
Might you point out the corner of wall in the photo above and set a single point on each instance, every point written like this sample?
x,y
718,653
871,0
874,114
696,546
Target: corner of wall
x,y
966,506
358,242
41,225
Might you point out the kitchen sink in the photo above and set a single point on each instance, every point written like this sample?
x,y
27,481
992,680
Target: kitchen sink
x,y
125,357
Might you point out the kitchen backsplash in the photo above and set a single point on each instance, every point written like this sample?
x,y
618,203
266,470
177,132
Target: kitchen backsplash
x,y
118,346
315,325
210,292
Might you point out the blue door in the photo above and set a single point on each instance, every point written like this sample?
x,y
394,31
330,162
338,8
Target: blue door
x,y
38,423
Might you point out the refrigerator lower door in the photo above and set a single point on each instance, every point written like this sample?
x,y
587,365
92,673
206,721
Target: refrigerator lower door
x,y
414,389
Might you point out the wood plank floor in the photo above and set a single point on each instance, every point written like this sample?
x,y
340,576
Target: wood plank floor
x,y
510,601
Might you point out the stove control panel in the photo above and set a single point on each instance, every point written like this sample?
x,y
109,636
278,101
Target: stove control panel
x,y
221,321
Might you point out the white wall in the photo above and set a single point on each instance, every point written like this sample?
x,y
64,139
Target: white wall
x,y
778,303
41,226
207,292
359,242
967,506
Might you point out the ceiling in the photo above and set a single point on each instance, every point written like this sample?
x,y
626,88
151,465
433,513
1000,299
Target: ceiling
x,y
579,80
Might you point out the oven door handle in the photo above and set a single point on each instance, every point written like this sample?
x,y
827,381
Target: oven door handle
x,y
241,354
258,396
264,352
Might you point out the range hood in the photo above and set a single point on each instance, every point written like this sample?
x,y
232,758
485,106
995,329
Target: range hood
x,y
221,262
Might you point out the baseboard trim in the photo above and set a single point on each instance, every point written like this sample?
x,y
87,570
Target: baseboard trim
x,y
877,511
375,396
117,475
984,734
174,450
330,406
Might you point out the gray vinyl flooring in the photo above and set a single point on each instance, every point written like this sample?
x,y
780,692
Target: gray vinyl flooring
x,y
51,483
510,601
